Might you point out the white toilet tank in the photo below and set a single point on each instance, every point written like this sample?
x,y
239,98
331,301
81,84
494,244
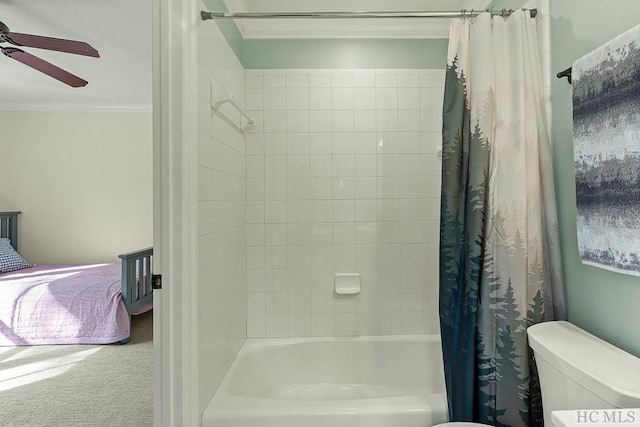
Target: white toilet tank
x,y
580,371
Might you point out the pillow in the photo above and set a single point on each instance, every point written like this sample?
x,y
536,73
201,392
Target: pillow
x,y
10,260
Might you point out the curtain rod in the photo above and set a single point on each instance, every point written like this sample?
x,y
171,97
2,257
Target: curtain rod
x,y
339,15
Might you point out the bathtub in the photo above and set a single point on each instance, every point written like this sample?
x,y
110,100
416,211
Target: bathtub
x,y
332,382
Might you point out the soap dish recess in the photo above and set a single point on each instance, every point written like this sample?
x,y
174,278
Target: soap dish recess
x,y
347,283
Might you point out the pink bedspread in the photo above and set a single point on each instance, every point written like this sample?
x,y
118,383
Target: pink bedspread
x,y
62,304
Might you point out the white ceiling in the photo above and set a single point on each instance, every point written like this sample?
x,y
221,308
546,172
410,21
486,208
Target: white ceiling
x,y
119,80
348,28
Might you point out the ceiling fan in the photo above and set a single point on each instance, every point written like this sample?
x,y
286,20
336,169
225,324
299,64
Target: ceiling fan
x,y
49,43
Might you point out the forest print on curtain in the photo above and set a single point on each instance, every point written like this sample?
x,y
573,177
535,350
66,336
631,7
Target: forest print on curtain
x,y
499,249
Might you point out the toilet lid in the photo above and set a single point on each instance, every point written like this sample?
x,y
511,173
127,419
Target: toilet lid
x,y
461,425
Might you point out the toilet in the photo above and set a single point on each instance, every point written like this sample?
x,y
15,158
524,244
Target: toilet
x,y
461,425
580,371
458,424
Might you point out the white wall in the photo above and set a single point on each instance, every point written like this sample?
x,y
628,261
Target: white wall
x,y
222,205
342,176
83,182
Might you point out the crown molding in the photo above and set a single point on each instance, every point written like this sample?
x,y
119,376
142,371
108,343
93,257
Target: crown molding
x,y
438,28
75,108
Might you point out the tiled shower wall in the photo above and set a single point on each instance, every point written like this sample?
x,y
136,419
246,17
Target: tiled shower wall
x,y
343,175
221,220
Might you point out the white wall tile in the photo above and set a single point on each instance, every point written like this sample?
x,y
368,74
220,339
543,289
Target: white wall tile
x,y
344,257
300,325
343,188
320,143
275,144
321,165
364,78
342,176
342,121
342,79
320,121
319,80
365,143
366,187
322,301
387,142
254,99
299,279
368,323
390,323
274,99
321,256
322,324
364,121
256,303
253,81
412,322
345,324
255,281
322,279
298,81
277,326
409,120
364,98
276,279
274,81
256,326
321,188
321,233
386,98
275,121
224,211
343,143
387,120
344,210
297,121
342,98
277,303
409,142
409,81
297,98
344,233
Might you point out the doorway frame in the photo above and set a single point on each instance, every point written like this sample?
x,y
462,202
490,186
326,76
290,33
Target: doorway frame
x,y
175,181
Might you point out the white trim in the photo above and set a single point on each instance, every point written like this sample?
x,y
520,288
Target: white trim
x,y
190,275
159,349
78,108
175,121
371,29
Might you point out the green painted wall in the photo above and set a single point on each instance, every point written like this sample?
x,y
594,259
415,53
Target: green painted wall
x,y
604,303
228,28
507,4
350,53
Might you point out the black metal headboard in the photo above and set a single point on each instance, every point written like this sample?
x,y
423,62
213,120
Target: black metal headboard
x,y
9,227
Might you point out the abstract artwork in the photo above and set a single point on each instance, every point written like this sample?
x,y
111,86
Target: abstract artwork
x,y
606,120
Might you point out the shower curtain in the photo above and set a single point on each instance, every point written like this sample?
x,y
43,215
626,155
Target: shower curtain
x,y
499,250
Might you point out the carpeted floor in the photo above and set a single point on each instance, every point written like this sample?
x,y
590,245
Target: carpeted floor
x,y
80,385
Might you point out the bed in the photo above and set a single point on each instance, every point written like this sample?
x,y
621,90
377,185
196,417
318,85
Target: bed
x,y
70,303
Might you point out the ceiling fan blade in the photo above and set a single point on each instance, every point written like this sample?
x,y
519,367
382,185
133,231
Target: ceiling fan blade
x,y
49,43
43,66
